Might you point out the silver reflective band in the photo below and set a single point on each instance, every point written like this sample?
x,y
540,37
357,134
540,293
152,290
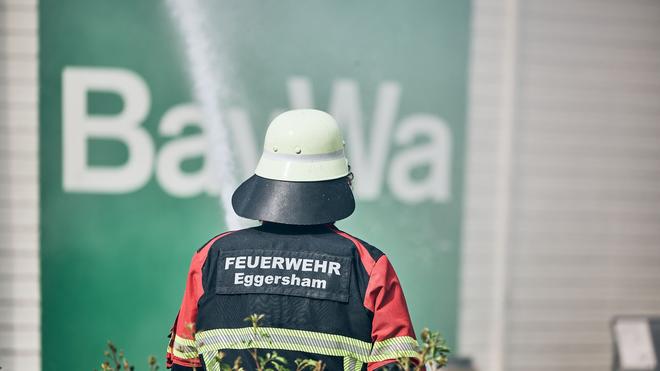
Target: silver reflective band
x,y
354,351
184,348
352,364
279,338
317,157
400,346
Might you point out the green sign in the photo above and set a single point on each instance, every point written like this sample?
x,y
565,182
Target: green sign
x,y
132,93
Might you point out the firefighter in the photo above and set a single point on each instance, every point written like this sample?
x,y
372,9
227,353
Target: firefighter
x,y
326,295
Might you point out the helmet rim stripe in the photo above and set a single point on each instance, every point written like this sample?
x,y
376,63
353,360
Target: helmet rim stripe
x,y
314,157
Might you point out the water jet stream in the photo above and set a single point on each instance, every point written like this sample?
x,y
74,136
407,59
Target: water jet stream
x,y
204,68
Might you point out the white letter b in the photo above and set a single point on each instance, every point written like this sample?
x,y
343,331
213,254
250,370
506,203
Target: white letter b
x,y
79,126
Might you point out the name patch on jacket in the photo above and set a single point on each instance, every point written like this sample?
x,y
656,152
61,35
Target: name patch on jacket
x,y
296,273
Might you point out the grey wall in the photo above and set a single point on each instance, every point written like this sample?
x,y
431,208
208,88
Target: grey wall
x,y
581,196
19,258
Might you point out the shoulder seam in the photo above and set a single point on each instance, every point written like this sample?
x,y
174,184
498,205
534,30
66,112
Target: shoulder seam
x,y
362,251
215,238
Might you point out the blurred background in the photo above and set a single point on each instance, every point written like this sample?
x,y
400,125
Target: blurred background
x,y
506,155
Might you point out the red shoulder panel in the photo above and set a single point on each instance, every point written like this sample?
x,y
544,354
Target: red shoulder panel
x,y
365,257
184,325
384,297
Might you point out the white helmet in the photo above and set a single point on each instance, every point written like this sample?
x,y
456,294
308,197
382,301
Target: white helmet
x,y
302,176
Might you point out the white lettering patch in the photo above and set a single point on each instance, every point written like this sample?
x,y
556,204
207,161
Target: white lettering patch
x,y
282,272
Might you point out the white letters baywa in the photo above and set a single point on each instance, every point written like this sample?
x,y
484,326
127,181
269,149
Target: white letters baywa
x,y
371,139
78,126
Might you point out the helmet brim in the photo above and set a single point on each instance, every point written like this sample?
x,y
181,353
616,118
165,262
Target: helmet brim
x,y
301,203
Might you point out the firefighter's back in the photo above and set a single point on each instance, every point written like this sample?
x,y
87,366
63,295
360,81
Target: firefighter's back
x,y
309,282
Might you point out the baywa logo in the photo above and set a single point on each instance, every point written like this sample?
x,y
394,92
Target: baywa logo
x,y
416,141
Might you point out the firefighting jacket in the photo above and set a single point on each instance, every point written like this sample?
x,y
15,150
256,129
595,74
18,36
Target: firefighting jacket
x,y
325,295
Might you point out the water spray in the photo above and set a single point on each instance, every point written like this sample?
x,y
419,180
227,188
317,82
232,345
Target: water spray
x,y
207,81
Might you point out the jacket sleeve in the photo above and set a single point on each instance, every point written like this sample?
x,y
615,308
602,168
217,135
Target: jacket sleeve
x,y
182,349
392,331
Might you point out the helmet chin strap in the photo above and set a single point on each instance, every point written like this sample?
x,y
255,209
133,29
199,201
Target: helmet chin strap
x,y
350,177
